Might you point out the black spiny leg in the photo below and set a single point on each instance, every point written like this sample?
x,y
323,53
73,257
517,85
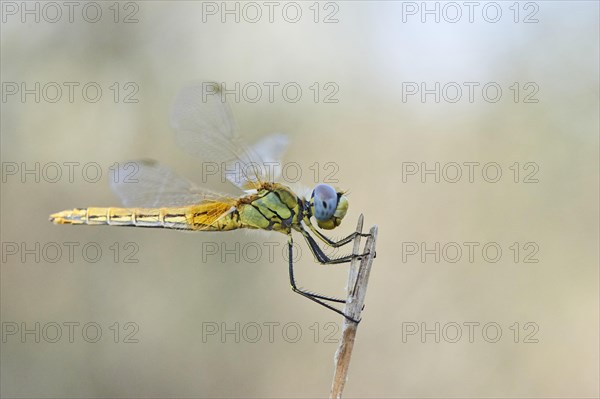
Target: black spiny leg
x,y
313,297
320,255
331,242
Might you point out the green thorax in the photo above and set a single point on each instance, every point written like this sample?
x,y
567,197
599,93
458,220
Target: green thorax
x,y
273,207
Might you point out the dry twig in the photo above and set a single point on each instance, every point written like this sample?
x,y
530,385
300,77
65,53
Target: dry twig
x,y
357,289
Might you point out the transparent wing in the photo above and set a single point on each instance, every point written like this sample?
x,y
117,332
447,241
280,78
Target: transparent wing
x,y
204,124
270,151
205,128
148,184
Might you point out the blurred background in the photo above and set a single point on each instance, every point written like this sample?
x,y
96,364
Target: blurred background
x,y
157,313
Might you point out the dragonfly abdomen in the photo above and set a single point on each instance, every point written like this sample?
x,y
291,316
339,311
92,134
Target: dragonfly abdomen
x,y
195,217
141,217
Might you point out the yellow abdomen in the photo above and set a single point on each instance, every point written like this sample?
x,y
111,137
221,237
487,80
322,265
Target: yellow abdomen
x,y
210,216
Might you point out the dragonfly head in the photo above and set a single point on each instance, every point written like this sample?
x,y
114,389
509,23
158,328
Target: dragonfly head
x,y
328,206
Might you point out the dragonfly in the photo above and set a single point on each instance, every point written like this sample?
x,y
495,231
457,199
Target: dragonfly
x,y
157,197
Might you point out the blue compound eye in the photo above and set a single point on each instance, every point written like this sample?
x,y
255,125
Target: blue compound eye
x,y
325,201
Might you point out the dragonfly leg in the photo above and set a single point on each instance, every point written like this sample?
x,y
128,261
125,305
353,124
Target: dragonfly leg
x,y
329,241
312,296
324,259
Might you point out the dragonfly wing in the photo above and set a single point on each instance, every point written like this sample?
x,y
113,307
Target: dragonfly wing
x,y
269,151
205,128
148,184
204,124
